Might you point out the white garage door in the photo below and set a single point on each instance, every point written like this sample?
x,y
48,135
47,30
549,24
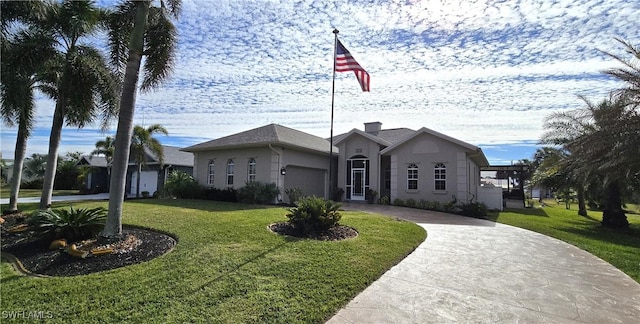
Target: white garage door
x,y
148,182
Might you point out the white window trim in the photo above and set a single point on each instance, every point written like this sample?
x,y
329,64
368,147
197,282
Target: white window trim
x,y
411,167
211,165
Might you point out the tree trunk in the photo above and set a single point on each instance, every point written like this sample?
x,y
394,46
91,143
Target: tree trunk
x,y
138,180
582,208
52,158
18,164
613,216
113,225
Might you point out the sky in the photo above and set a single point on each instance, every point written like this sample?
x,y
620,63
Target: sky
x,y
484,72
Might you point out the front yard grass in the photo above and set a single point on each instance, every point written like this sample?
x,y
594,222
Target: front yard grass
x,y
226,267
621,248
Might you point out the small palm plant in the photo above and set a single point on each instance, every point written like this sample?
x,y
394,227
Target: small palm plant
x,y
72,224
314,215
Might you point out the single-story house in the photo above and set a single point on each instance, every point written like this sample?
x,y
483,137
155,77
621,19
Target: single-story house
x,y
397,163
152,177
269,154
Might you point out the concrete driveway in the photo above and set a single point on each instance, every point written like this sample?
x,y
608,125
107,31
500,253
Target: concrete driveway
x,y
476,271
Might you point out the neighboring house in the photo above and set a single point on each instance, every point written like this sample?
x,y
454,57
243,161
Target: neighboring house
x,y
398,163
97,180
153,175
269,154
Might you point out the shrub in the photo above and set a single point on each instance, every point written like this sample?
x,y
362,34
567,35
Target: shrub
x,y
227,194
371,195
258,193
72,224
181,185
32,184
398,202
384,200
410,203
423,204
314,214
294,194
474,209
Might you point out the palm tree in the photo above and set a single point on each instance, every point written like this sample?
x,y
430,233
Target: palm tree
x,y
34,166
105,148
136,29
84,86
597,138
24,53
630,74
143,142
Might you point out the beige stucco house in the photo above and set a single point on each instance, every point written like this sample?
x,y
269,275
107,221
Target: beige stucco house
x,y
397,163
270,154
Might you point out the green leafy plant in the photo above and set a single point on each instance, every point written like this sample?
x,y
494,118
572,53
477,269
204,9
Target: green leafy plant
x,y
371,195
474,209
314,214
258,193
180,185
294,194
411,203
398,202
384,200
72,224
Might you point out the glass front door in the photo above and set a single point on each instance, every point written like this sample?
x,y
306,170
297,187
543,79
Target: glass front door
x,y
357,181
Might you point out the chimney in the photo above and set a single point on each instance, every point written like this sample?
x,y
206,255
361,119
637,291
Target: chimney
x,y
372,128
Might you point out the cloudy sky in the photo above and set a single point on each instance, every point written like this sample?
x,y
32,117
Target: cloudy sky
x,y
485,72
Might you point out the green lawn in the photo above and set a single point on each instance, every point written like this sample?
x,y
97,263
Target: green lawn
x,y
621,248
24,193
226,267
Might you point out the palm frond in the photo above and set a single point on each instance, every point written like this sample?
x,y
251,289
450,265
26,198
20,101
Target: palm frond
x,y
160,47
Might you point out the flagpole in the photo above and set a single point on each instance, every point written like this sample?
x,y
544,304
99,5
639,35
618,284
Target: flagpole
x,y
333,91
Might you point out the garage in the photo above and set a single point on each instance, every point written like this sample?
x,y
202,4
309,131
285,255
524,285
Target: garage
x,y
311,181
148,182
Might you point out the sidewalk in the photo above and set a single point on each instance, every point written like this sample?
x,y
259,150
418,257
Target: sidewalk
x,y
101,196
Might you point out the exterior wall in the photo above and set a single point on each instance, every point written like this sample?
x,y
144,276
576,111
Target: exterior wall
x,y
357,145
269,162
312,166
240,157
426,151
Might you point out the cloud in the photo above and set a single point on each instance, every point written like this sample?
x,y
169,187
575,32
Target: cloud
x,y
482,71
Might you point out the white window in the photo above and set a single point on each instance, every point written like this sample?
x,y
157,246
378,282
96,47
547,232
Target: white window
x,y
440,176
230,166
412,177
252,170
211,172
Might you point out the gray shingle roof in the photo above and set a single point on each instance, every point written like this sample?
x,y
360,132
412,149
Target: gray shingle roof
x,y
392,136
174,156
270,134
94,161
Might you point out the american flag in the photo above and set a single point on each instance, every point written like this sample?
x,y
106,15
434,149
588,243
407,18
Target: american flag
x,y
345,62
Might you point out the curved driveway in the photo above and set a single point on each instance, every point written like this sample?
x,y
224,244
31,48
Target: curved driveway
x,y
476,271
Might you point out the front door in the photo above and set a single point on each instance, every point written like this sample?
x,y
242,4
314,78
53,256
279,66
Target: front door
x,y
357,184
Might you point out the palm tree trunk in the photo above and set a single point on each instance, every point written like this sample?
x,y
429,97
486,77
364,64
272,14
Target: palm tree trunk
x,y
613,215
113,225
582,208
52,158
18,163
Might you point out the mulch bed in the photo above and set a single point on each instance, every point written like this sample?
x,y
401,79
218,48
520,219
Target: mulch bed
x,y
335,233
136,245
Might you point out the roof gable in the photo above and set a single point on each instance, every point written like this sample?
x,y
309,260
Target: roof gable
x,y
343,137
265,135
477,153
